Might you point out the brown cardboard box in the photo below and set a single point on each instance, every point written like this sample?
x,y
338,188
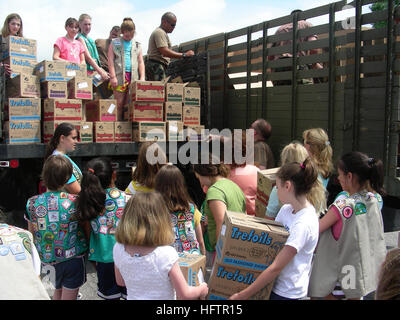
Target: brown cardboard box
x,y
80,88
23,109
48,70
54,89
97,80
86,132
101,110
226,280
149,131
191,96
174,92
73,70
50,126
123,131
191,116
104,131
173,111
195,133
193,267
146,111
265,182
249,242
147,91
62,109
23,86
175,131
13,46
22,131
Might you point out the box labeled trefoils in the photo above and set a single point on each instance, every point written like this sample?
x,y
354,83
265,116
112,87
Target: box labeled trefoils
x,y
13,46
193,267
22,131
249,242
23,109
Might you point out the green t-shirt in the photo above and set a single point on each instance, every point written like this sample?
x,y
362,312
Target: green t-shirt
x,y
228,192
91,45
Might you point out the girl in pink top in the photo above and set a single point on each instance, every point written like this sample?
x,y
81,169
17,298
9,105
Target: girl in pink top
x,y
67,48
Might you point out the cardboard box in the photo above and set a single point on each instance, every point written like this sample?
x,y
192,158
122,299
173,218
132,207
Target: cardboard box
x,y
54,89
193,267
50,126
147,91
191,96
62,109
174,92
191,116
48,70
104,131
97,80
20,65
18,47
73,70
22,131
23,86
226,280
146,111
175,131
195,133
101,110
80,88
265,182
123,131
23,109
249,242
149,131
86,132
173,111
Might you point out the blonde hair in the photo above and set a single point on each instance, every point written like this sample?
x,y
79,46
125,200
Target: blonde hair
x,y
389,277
145,222
293,152
5,31
84,16
320,149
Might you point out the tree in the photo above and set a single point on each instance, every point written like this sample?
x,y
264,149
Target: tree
x,y
379,6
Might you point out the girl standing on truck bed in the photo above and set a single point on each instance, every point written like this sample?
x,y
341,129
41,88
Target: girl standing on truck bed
x,y
63,141
12,27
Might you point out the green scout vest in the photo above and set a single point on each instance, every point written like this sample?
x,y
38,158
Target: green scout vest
x,y
355,258
58,236
184,230
102,237
119,60
91,45
18,278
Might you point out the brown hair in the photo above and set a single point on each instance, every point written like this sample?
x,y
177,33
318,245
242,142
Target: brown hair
x,y
171,185
128,25
5,31
389,277
263,128
145,172
63,129
71,21
145,222
214,168
56,172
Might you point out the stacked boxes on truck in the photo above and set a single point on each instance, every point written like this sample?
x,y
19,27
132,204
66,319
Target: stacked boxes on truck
x,y
247,245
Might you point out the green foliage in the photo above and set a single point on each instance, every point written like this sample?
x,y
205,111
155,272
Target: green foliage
x,y
379,6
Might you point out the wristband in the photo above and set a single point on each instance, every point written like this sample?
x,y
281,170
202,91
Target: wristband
x,y
184,55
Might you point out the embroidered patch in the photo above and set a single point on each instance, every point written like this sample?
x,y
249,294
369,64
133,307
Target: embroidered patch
x,y
41,211
66,204
347,212
360,208
114,193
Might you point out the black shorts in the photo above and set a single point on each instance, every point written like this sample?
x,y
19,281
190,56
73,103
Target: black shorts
x,y
70,274
107,287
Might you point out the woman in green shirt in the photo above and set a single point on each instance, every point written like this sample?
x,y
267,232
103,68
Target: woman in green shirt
x,y
222,195
91,54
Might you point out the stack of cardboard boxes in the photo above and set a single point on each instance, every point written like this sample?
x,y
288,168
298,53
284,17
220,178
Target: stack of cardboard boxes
x,y
246,246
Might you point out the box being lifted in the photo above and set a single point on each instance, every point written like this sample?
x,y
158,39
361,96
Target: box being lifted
x,y
13,46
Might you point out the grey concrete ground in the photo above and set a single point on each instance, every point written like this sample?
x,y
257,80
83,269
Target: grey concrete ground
x,y
89,289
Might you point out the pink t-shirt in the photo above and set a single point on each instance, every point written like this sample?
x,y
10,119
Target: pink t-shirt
x,y
246,178
70,51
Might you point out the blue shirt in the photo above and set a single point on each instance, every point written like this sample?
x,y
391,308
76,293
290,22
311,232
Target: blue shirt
x,y
127,51
76,172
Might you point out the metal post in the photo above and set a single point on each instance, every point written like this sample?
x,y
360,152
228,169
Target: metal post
x,y
294,76
331,78
226,82
248,79
264,73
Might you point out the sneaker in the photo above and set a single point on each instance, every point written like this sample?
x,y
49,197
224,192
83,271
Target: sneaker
x,y
79,296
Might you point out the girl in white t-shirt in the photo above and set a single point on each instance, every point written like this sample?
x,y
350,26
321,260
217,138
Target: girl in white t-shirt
x,y
145,262
291,268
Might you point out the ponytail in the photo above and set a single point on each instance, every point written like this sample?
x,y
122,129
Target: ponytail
x,y
63,129
96,178
376,176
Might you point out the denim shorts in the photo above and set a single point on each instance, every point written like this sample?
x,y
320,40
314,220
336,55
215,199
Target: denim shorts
x,y
70,274
107,287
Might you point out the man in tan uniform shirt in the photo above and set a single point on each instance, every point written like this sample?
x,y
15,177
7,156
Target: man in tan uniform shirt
x,y
159,52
